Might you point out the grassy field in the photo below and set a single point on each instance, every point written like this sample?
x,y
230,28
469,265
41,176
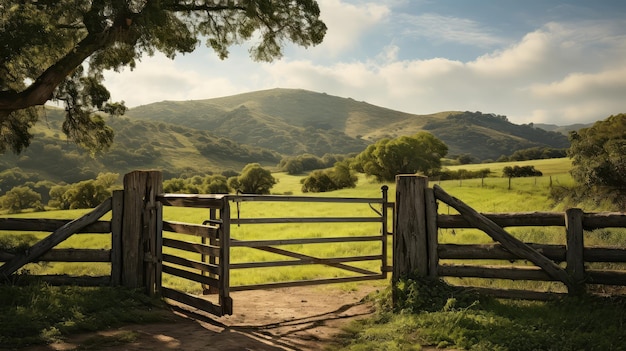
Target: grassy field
x,y
461,322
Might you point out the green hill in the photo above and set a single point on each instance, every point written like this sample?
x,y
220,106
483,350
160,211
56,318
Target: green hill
x,y
293,122
227,133
138,144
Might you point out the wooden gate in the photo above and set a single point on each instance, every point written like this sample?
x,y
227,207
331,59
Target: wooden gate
x,y
364,232
211,268
212,243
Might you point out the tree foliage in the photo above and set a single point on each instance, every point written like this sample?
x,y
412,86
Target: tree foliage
x,y
254,179
307,162
58,50
521,171
338,177
386,158
84,194
598,154
20,198
209,184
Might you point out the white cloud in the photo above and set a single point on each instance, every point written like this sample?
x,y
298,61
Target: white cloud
x,y
347,23
560,73
436,27
541,78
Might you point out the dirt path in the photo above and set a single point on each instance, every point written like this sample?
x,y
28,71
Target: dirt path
x,y
303,318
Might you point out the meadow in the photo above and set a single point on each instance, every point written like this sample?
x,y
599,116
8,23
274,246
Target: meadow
x,y
433,314
491,194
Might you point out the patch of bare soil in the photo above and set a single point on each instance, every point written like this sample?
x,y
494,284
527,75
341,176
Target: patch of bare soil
x,y
299,318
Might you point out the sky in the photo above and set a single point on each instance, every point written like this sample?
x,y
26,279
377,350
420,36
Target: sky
x,y
539,61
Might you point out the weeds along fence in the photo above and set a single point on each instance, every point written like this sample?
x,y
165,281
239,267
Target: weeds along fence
x,y
418,238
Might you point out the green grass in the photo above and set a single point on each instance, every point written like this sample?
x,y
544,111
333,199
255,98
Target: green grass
x,y
433,313
38,313
548,167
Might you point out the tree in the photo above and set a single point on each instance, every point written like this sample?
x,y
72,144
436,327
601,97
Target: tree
x,y
85,194
421,152
338,177
58,50
598,154
521,171
254,179
19,198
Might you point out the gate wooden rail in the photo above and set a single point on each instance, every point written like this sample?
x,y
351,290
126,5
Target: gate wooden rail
x,y
298,259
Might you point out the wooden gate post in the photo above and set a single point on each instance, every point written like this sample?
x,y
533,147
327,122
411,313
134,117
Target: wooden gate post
x,y
410,243
139,229
575,248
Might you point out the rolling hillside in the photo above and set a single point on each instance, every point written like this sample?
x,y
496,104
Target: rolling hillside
x,y
293,122
227,133
138,144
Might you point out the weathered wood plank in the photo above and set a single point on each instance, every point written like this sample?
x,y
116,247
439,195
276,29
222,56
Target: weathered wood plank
x,y
306,257
607,277
591,221
410,236
604,220
192,247
204,231
510,243
494,272
50,225
203,267
554,252
495,252
575,246
432,232
192,200
202,279
140,187
193,301
309,261
54,239
306,220
520,219
67,255
117,212
290,198
306,282
345,239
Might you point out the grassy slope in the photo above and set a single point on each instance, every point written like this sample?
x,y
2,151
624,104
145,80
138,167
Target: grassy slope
x,y
271,113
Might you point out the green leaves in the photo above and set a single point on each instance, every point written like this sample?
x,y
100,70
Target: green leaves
x,y
386,158
45,43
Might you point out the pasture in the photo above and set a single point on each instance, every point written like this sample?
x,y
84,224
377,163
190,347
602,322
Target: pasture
x,y
491,194
458,320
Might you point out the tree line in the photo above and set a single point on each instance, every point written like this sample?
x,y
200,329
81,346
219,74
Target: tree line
x,y
599,167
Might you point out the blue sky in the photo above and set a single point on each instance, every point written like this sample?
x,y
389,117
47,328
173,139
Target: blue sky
x,y
541,61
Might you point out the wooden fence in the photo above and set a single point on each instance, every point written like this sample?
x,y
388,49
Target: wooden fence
x,y
417,239
44,251
137,259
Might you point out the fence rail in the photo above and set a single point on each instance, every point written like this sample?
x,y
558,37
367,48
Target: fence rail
x,y
44,251
294,258
541,262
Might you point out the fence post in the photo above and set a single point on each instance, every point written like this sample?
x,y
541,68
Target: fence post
x,y
139,229
410,243
575,249
431,228
117,208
